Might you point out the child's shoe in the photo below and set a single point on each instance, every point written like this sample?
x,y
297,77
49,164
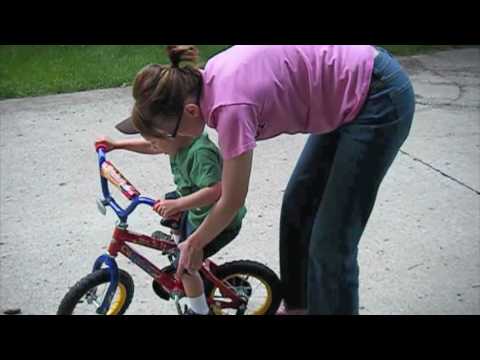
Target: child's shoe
x,y
189,311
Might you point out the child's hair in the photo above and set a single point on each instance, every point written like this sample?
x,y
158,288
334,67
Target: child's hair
x,y
163,89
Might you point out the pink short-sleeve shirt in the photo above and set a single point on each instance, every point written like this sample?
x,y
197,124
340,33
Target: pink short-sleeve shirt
x,y
253,93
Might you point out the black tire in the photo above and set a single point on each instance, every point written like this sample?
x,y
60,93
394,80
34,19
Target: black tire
x,y
80,289
258,271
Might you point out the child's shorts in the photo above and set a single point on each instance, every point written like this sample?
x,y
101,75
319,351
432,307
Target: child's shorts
x,y
186,229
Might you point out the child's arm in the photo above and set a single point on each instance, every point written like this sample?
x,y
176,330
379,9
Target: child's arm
x,y
141,146
138,145
204,197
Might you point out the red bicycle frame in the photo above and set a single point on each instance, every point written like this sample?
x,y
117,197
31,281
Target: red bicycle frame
x,y
122,236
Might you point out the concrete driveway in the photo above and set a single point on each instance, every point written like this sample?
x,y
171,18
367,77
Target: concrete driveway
x,y
420,253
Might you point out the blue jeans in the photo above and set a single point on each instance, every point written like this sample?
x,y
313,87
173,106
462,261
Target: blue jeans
x,y
332,191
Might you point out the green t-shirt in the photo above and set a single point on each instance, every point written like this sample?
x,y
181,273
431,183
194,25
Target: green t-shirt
x,y
196,167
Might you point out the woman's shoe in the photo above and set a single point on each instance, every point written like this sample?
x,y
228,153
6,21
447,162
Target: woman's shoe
x,y
283,311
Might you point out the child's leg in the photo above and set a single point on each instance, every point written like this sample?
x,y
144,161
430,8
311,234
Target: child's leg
x,y
192,282
194,290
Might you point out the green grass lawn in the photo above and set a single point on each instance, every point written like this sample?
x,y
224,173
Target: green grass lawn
x,y
33,70
29,70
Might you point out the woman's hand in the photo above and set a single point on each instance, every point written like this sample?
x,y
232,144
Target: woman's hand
x,y
191,258
167,208
108,143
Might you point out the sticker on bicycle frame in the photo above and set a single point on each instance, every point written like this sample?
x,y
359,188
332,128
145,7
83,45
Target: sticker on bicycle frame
x,y
115,177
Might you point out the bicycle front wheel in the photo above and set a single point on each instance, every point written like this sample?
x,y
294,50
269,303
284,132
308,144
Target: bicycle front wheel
x,y
86,296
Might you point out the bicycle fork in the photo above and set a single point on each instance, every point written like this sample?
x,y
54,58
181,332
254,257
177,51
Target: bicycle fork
x,y
112,267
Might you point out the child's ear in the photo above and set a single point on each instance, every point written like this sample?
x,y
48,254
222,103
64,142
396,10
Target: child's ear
x,y
193,110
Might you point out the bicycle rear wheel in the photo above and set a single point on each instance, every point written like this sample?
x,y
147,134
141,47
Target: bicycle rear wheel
x,y
255,282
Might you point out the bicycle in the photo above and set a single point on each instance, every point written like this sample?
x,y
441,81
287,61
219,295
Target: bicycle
x,y
109,290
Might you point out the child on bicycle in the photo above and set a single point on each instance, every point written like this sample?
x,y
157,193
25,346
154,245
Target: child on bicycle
x,y
196,166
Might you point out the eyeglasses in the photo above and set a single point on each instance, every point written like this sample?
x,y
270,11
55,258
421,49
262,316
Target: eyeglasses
x,y
173,135
177,126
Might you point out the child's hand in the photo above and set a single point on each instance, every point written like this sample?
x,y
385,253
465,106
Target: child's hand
x,y
107,142
167,208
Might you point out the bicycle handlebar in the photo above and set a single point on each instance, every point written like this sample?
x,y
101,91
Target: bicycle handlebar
x,y
108,200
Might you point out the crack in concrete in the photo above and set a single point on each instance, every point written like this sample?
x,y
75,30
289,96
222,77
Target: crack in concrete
x,y
449,135
446,106
440,172
417,66
415,266
420,100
